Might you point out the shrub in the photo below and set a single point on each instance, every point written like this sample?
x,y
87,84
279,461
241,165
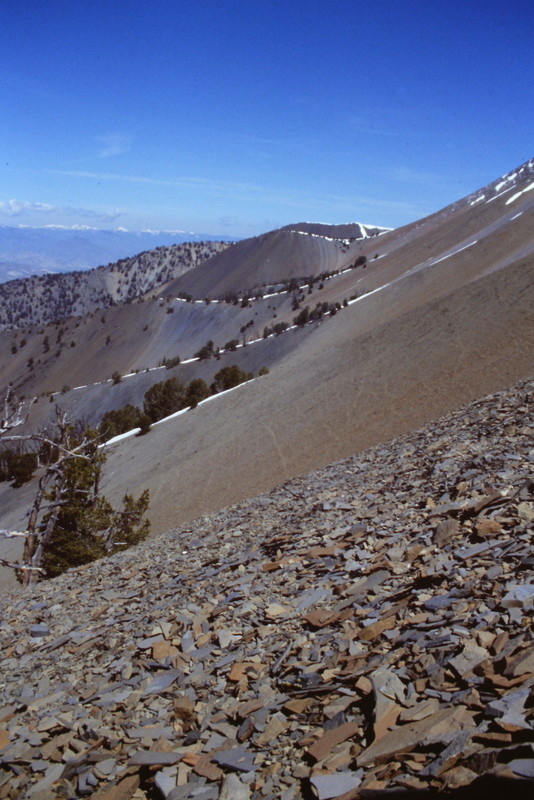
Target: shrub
x,y
303,317
228,377
280,327
119,421
17,467
197,391
164,398
86,526
205,352
264,371
144,424
168,363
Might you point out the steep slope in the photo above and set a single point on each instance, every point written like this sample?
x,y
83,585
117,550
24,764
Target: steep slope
x,y
484,232
38,300
351,383
253,265
363,630
442,314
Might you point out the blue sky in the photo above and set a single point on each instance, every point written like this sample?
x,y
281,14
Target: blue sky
x,y
239,116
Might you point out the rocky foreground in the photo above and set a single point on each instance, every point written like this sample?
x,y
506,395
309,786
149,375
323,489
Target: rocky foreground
x,y
363,629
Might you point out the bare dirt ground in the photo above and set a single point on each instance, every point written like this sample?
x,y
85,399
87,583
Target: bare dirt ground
x,y
339,393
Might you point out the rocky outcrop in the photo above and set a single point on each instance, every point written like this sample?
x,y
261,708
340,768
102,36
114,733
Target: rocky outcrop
x,y
364,628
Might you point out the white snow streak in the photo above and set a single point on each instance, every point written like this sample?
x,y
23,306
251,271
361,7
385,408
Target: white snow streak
x,y
373,291
135,431
453,253
499,195
518,194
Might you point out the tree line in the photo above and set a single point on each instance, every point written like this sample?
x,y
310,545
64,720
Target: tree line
x,y
167,397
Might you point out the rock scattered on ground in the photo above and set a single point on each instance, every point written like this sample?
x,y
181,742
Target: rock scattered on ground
x,y
362,629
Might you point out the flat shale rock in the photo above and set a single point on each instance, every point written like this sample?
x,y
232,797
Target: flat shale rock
x,y
364,628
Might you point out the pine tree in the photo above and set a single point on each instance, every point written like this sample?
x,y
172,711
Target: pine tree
x,y
70,523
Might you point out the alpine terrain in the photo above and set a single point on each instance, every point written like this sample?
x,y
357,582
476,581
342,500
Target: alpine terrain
x,y
333,423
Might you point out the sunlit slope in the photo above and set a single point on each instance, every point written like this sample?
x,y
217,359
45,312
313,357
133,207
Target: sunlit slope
x,y
274,257
483,233
339,392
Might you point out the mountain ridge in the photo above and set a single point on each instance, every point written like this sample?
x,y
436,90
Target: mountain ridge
x,y
411,323
27,250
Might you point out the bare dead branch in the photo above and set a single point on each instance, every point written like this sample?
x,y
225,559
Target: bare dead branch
x,y
37,437
15,413
22,567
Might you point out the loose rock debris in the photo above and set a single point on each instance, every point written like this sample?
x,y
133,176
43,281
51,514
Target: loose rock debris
x,y
365,628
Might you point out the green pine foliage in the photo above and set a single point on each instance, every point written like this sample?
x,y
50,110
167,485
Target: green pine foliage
x,y
228,377
164,398
85,525
197,391
119,421
17,467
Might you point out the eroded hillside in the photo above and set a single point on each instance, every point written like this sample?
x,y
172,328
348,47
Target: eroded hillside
x,y
41,299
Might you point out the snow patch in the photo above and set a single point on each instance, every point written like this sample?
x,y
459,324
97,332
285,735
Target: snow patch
x,y
121,436
518,194
460,249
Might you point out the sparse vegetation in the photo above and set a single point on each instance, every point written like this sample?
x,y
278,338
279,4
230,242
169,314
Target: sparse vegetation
x,y
44,299
70,523
206,352
197,391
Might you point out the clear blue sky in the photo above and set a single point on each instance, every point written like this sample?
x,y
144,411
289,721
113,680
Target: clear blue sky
x,y
238,116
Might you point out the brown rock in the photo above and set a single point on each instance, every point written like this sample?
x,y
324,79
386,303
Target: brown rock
x,y
488,527
406,737
458,776
324,745
521,664
374,630
242,669
320,618
122,791
4,738
445,531
161,650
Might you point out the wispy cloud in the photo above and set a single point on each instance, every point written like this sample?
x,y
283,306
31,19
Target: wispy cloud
x,y
349,205
27,210
182,181
113,144
414,176
15,208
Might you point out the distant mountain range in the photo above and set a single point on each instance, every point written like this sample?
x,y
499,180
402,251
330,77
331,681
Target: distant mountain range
x,y
28,251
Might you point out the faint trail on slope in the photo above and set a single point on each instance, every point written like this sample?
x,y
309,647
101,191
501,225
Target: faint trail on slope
x,y
271,432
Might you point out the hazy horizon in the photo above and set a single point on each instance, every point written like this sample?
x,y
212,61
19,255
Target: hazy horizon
x,y
234,120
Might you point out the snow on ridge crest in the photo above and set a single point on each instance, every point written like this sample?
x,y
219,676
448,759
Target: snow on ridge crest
x,y
364,232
